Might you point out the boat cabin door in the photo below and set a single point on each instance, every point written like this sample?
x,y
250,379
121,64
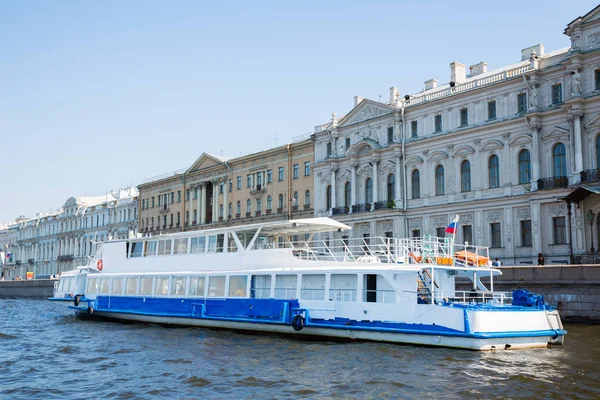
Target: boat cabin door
x,y
80,282
371,286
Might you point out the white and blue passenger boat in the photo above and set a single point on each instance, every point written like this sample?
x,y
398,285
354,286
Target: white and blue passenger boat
x,y
277,277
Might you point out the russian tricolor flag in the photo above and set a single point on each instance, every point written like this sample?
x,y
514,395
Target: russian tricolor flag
x,y
451,229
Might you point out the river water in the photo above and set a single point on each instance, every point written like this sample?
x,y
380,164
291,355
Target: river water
x,y
48,352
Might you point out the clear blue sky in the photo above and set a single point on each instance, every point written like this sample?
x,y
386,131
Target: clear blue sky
x,y
100,95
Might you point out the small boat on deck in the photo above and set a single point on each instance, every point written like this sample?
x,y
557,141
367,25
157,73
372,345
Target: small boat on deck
x,y
278,277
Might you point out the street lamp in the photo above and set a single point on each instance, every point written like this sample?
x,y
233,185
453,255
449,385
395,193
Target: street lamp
x,y
590,217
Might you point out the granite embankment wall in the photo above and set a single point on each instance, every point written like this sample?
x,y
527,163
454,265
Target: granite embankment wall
x,y
27,289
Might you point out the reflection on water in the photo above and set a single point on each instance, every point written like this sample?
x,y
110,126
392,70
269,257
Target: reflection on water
x,y
46,352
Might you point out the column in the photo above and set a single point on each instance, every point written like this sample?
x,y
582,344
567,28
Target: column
x,y
333,185
202,210
198,207
353,188
399,183
375,183
215,192
225,205
577,133
535,168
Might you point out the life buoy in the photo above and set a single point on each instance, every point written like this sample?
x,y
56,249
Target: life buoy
x,y
76,301
298,322
99,265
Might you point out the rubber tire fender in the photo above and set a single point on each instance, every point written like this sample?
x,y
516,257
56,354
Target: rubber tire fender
x,y
76,301
298,323
90,309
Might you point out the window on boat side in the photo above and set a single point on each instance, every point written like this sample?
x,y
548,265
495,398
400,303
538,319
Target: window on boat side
x,y
178,286
131,285
104,286
92,286
198,244
212,244
162,286
146,285
237,286
164,247
197,286
117,286
260,287
181,246
313,287
216,286
150,249
136,249
285,286
377,290
220,243
343,287
232,244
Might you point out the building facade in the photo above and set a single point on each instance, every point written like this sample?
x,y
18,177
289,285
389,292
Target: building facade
x,y
502,148
272,184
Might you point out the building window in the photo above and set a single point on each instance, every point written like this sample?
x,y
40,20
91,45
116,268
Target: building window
x,y
495,234
415,233
280,174
329,149
239,183
296,171
390,134
369,191
172,198
439,180
328,198
347,143
230,185
179,196
152,201
416,184
238,207
258,205
221,187
296,199
491,110
187,196
494,171
559,160
391,187
280,201
270,176
307,198
557,94
347,194
248,206
259,179
522,102
307,168
440,232
178,218
524,167
597,79
560,230
438,123
464,117
526,233
465,176
467,231
249,180
229,210
414,129
269,203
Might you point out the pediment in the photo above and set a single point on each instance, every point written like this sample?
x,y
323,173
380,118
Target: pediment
x,y
556,133
491,145
437,156
463,151
364,146
520,140
345,174
593,123
364,169
71,201
388,166
414,160
591,16
365,111
206,160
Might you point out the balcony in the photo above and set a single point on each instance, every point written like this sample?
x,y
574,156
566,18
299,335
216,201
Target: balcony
x,y
220,219
358,208
279,210
294,208
553,183
248,214
306,207
258,213
66,257
268,212
379,205
194,222
237,216
591,175
18,262
340,210
163,209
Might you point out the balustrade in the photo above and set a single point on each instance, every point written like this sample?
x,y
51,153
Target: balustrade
x,y
553,183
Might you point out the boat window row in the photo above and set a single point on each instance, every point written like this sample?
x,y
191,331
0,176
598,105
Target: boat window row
x,y
334,287
164,247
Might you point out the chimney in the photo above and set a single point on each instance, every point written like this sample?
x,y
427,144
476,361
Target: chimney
x,y
526,52
393,95
478,69
458,72
430,84
357,100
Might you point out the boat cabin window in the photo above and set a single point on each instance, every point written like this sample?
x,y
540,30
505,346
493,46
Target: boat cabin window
x,y
131,285
261,287
237,286
216,286
150,249
104,285
178,286
146,286
313,287
343,287
198,244
377,290
197,286
136,249
117,286
181,246
232,244
212,243
285,286
92,286
162,286
164,247
220,243
263,243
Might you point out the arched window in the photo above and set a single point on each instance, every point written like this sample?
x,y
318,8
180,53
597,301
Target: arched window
x,y
307,198
220,210
296,198
559,160
152,222
248,206
328,198
494,171
178,218
195,215
391,187
238,207
369,191
258,205
347,194
439,180
280,204
465,176
598,152
230,210
415,180
171,219
269,202
524,166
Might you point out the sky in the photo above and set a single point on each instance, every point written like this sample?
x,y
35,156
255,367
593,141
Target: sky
x,y
102,95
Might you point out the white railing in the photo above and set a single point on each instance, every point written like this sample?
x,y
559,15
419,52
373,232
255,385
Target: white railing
x,y
475,296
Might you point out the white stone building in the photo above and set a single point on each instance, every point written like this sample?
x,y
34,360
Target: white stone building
x,y
501,148
59,241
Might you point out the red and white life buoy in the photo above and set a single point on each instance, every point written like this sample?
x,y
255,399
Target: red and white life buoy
x,y
99,265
